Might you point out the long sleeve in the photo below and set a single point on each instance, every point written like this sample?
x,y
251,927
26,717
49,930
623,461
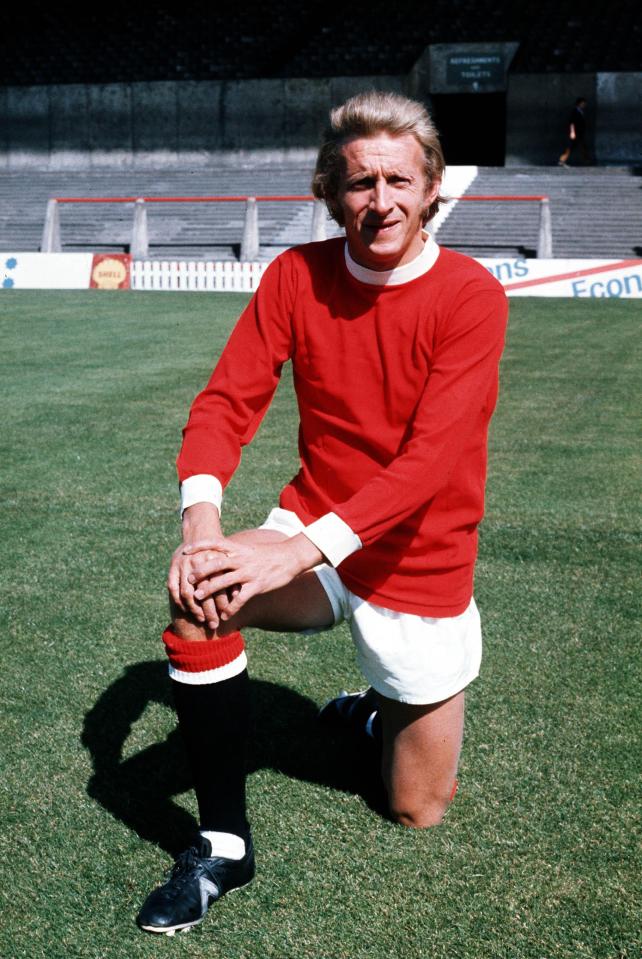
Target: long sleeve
x,y
227,413
456,405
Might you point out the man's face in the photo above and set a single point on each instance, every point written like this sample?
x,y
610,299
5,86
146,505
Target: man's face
x,y
383,195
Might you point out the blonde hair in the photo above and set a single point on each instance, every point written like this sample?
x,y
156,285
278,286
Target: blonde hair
x,y
365,115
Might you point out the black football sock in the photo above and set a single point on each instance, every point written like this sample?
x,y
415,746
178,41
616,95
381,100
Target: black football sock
x,y
213,719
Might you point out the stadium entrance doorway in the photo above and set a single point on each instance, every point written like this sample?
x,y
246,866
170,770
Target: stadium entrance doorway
x,y
472,127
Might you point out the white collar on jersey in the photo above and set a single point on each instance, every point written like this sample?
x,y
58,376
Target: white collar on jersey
x,y
400,274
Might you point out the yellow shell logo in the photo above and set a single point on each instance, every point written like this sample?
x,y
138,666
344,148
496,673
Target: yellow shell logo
x,y
109,274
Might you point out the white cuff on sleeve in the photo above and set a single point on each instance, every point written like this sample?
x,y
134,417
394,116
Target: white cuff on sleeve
x,y
333,537
201,488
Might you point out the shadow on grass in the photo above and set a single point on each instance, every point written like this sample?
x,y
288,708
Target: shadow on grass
x,y
286,736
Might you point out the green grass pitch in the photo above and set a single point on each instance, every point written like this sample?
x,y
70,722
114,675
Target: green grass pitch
x,y
539,855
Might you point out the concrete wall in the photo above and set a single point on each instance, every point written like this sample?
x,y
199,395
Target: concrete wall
x,y
619,124
538,109
27,124
141,124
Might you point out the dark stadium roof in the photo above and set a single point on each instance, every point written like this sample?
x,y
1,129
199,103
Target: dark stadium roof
x,y
124,42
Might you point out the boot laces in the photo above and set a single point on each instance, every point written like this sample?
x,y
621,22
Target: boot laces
x,y
186,865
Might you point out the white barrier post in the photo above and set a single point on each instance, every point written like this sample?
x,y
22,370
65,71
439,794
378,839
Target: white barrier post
x,y
250,241
319,215
545,239
139,246
51,231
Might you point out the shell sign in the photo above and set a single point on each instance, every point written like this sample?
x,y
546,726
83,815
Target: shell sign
x,y
110,271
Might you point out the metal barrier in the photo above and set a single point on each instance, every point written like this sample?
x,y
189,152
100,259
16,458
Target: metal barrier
x,y
545,235
250,243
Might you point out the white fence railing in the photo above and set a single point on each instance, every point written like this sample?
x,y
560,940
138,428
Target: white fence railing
x,y
196,275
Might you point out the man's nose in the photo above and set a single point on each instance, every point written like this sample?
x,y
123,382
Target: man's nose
x,y
381,201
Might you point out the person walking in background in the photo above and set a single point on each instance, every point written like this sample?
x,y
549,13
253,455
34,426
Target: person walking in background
x,y
576,133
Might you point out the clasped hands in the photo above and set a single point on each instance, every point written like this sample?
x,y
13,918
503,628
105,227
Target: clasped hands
x,y
213,579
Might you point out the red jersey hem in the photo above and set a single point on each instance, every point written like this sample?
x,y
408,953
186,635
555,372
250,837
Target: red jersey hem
x,y
434,610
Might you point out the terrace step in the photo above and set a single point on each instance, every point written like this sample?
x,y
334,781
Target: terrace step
x,y
595,212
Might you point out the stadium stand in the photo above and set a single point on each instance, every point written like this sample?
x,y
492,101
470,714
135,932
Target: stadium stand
x,y
594,212
181,230
40,43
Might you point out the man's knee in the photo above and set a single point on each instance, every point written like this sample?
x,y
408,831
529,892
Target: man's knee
x,y
186,627
421,810
191,630
418,816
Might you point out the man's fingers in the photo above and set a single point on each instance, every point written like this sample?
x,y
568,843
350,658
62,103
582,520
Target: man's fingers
x,y
213,566
241,596
216,584
198,547
187,595
210,613
222,600
183,577
173,586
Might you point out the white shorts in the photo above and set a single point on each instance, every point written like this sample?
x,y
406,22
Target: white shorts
x,y
409,658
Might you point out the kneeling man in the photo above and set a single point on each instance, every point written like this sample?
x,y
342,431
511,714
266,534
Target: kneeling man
x,y
395,346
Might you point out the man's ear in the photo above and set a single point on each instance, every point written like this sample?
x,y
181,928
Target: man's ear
x,y
432,191
335,210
